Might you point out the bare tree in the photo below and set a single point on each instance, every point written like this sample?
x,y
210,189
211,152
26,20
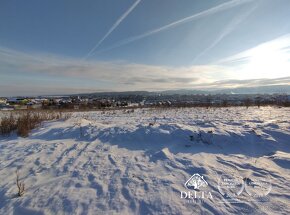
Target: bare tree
x,y
20,185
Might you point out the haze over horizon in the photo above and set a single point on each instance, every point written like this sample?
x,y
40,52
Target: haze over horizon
x,y
56,47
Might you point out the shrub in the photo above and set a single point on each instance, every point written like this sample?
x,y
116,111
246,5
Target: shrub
x,y
23,122
8,124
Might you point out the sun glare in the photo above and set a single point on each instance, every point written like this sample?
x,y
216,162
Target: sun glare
x,y
269,61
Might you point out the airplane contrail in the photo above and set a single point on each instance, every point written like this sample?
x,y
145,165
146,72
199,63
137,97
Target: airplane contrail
x,y
227,30
115,25
218,8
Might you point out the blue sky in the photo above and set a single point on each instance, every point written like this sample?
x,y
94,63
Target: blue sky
x,y
70,46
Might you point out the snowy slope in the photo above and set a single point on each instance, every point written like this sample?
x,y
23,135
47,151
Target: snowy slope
x,y
114,162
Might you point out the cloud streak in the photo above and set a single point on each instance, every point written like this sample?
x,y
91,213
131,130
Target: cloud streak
x,y
114,26
50,74
99,74
280,45
232,83
213,10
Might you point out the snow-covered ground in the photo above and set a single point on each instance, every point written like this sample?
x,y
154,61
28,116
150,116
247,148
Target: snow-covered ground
x,y
123,162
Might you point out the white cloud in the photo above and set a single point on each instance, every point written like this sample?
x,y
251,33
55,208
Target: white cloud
x,y
120,75
68,75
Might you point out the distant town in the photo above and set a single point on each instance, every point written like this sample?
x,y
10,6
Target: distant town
x,y
141,99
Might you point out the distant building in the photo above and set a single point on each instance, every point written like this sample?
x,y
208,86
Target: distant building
x,y
3,100
13,101
6,107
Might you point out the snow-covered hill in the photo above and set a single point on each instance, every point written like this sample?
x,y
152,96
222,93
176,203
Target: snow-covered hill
x,y
137,162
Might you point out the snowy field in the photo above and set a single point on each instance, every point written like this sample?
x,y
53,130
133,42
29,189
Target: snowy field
x,y
123,162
